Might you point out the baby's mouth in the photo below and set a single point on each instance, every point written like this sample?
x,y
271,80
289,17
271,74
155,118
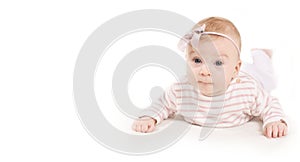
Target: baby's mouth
x,y
204,82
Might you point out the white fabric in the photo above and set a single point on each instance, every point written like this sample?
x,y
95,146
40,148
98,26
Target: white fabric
x,y
261,69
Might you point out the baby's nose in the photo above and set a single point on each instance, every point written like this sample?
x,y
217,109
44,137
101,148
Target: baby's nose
x,y
204,71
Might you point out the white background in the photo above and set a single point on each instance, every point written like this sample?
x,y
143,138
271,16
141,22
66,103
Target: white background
x,y
39,44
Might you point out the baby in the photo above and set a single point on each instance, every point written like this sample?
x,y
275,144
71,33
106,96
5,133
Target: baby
x,y
216,92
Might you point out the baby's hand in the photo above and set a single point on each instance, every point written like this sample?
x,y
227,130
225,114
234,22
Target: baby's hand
x,y
144,125
275,129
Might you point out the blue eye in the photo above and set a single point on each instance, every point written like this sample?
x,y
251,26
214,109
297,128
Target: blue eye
x,y
219,63
197,61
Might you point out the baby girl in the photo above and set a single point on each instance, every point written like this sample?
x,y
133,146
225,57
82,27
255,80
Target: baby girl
x,y
216,92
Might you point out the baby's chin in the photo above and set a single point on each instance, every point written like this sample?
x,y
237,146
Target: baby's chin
x,y
211,92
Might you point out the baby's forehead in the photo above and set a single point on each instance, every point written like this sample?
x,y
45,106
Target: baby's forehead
x,y
214,48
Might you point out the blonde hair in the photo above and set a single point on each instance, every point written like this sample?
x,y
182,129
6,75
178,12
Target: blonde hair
x,y
221,25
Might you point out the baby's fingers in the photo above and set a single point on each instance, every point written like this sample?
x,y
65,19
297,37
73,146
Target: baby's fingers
x,y
133,127
284,129
138,127
275,131
151,127
144,128
281,130
268,131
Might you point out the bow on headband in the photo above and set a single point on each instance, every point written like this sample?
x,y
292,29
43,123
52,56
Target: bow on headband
x,y
194,36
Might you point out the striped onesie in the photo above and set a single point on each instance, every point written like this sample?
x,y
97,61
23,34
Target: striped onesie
x,y
241,102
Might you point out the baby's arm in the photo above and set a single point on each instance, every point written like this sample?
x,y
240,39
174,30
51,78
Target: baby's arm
x,y
269,110
157,112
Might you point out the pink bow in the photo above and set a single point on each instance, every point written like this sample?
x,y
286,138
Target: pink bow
x,y
194,36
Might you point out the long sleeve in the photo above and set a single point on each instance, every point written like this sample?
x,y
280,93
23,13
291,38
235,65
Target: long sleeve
x,y
267,107
163,107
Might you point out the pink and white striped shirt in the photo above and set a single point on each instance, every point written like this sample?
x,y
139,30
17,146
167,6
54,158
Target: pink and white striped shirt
x,y
241,102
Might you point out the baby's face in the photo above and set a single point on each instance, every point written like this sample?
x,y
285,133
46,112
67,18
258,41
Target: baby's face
x,y
213,65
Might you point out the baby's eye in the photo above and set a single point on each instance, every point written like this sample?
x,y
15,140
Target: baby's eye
x,y
219,63
197,60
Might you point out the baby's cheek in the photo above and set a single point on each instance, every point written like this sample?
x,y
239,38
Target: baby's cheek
x,y
221,80
191,70
191,75
218,76
226,72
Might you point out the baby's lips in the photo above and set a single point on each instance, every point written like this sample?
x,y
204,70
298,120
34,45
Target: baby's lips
x,y
205,82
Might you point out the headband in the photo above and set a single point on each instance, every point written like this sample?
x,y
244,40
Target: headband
x,y
194,36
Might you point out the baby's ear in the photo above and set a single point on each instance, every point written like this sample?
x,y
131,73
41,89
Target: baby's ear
x,y
237,67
